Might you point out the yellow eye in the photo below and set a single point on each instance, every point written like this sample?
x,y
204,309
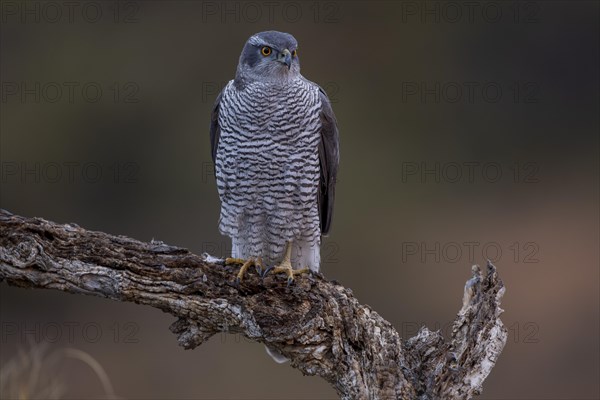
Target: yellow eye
x,y
294,53
265,51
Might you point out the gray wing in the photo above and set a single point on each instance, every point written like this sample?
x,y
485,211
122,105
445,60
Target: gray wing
x,y
215,129
329,158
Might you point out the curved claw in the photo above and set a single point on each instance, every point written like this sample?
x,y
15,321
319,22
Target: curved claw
x,y
266,271
236,282
286,266
259,266
244,268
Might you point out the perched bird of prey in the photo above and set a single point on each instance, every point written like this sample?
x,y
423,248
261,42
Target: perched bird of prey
x,y
274,144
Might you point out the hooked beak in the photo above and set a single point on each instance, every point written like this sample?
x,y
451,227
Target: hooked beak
x,y
285,57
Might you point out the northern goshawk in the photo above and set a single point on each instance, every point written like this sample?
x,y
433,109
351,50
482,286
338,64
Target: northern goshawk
x,y
274,141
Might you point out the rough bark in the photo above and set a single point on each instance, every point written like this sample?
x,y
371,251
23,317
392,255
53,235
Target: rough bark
x,y
318,324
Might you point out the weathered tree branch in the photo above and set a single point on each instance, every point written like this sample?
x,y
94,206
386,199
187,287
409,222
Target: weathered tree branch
x,y
317,324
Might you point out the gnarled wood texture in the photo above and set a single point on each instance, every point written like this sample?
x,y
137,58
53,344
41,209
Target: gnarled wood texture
x,y
319,325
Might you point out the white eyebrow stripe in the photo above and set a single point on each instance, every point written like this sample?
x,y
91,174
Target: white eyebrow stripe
x,y
257,41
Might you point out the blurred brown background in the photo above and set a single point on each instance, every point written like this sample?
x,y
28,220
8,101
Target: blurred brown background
x,y
469,130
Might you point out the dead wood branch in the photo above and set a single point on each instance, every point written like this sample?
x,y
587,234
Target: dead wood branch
x,y
319,325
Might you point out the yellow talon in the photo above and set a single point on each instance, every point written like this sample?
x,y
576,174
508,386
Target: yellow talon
x,y
245,265
286,265
230,260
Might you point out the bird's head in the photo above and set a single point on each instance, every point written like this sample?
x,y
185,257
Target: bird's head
x,y
269,56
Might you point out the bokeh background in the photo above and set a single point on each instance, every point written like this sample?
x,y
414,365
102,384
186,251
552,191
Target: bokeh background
x,y
469,130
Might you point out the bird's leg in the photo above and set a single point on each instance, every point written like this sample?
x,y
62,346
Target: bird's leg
x,y
259,266
231,260
286,265
245,265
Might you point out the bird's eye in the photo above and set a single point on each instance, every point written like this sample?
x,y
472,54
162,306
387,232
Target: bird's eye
x,y
294,53
265,51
